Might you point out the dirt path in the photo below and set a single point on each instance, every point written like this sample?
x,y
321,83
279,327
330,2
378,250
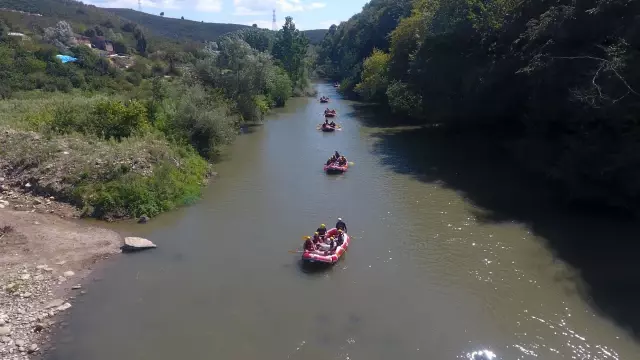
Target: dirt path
x,y
43,259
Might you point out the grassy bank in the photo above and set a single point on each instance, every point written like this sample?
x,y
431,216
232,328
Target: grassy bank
x,y
101,154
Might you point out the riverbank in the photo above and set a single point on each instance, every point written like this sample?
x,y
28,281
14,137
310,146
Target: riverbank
x,y
44,260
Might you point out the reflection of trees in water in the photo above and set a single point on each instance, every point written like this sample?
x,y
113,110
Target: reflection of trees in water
x,y
601,245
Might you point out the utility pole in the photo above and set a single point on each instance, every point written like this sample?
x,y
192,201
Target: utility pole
x,y
274,27
139,5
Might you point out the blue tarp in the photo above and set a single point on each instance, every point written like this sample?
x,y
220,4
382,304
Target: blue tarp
x,y
66,58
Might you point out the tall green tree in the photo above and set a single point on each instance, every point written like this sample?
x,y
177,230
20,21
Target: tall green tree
x,y
290,49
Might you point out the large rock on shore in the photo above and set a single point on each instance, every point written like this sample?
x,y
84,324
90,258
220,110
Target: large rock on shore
x,y
133,243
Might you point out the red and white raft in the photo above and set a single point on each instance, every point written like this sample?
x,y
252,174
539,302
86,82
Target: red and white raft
x,y
334,168
332,258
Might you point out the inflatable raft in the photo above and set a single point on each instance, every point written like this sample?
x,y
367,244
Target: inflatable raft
x,y
335,168
319,257
324,100
330,114
327,128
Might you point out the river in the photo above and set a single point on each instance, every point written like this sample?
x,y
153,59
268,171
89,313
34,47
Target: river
x,y
429,273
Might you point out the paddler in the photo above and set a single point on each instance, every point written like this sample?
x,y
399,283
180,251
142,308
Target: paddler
x,y
322,230
308,244
340,225
340,239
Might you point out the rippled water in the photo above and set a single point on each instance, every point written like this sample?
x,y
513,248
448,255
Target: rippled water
x,y
431,272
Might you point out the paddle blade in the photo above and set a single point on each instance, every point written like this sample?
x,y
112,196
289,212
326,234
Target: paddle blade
x,y
295,251
351,163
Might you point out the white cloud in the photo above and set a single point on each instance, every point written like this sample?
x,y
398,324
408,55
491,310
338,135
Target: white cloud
x,y
265,7
209,5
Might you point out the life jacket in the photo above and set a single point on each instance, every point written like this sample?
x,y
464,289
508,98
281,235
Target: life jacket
x,y
321,231
340,239
309,246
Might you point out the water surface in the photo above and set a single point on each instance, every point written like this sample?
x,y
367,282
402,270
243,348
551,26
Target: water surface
x,y
428,275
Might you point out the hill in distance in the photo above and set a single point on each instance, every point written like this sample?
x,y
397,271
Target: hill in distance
x,y
193,30
85,16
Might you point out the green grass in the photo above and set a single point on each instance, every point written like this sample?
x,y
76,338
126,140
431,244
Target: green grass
x,y
59,145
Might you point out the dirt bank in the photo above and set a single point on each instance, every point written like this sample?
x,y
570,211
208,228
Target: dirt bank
x,y
43,259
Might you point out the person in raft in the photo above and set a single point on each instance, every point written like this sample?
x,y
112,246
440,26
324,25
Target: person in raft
x,y
332,124
340,225
340,239
326,122
336,155
308,244
342,161
322,230
328,245
316,238
331,160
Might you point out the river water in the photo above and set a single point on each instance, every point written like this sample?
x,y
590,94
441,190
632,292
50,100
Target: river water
x,y
430,274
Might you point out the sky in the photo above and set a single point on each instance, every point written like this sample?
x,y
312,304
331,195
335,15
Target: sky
x,y
307,14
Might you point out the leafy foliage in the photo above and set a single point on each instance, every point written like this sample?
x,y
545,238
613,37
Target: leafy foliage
x,y
290,49
161,112
559,80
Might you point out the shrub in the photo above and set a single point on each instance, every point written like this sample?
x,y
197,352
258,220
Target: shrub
x,y
131,194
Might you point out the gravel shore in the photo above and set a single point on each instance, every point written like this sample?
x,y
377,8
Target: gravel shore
x,y
43,259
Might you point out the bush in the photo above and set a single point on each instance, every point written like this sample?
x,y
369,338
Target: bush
x,y
131,194
279,86
105,118
205,122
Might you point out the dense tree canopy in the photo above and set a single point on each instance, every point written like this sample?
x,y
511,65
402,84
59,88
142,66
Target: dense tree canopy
x,y
560,80
290,49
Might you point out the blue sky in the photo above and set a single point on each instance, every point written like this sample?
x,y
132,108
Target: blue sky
x,y
307,14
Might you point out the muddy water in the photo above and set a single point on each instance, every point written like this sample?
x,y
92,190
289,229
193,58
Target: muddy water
x,y
433,272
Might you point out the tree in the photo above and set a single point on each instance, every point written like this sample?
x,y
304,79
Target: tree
x,y
90,32
254,25
290,49
373,85
4,29
162,13
141,41
259,39
61,36
182,17
120,47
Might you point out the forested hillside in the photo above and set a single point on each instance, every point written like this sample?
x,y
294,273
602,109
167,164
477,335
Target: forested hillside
x,y
178,28
193,30
558,82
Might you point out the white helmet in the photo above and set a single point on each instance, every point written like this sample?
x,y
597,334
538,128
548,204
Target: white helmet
x,y
339,219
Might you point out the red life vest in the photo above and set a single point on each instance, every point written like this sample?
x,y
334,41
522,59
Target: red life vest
x,y
309,246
